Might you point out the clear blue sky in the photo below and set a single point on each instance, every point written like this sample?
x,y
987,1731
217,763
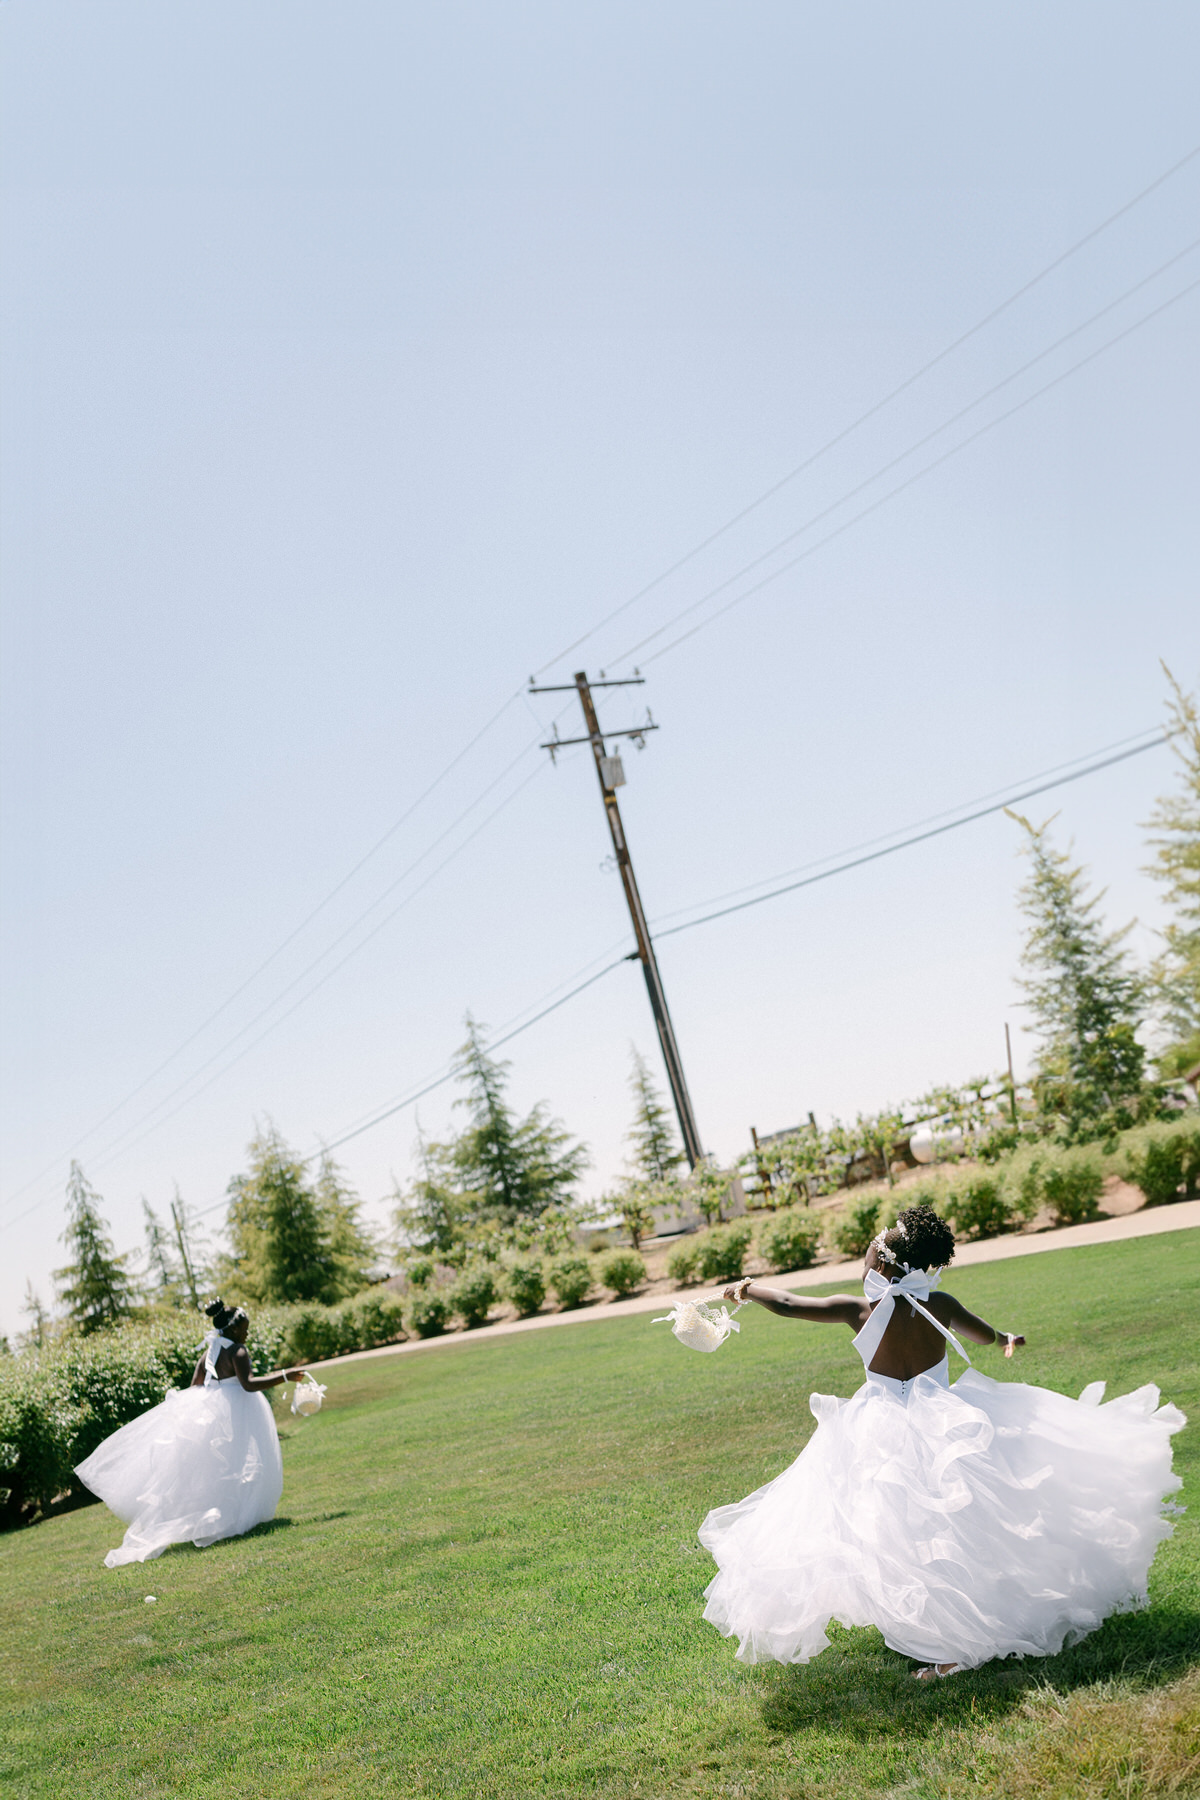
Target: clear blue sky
x,y
358,360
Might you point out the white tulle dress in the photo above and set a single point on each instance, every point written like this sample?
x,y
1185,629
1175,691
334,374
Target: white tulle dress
x,y
966,1522
202,1466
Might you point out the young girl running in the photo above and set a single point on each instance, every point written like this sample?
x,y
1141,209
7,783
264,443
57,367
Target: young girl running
x,y
984,1519
202,1466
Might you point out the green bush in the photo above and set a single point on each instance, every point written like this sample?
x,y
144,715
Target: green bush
x,y
722,1252
1072,1181
526,1287
59,1402
571,1280
856,1227
1162,1159
684,1261
979,1207
623,1272
429,1312
419,1272
791,1239
474,1294
377,1318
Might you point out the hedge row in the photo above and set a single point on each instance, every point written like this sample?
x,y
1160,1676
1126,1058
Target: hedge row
x,y
57,1403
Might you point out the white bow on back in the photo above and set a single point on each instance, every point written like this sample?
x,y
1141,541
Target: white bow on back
x,y
915,1287
213,1345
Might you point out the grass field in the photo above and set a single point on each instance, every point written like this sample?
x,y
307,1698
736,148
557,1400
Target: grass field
x,y
484,1580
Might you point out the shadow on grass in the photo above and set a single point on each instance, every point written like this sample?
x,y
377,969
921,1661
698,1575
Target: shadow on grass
x,y
861,1687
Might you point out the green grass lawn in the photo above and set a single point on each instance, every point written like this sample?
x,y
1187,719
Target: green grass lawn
x,y
484,1580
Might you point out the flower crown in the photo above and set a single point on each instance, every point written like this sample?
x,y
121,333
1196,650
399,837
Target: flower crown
x,y
887,1254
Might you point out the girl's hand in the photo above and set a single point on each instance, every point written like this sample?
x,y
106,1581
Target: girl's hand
x,y
295,1374
1011,1342
738,1290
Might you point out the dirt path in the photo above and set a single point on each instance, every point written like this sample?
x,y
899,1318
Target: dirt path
x,y
1149,1222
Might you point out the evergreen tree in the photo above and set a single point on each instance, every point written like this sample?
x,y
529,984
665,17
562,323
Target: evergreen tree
x,y
161,1270
186,1243
1175,838
96,1287
282,1248
508,1168
1083,994
39,1319
352,1244
428,1214
656,1152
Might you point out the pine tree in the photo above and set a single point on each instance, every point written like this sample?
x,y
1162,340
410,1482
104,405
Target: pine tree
x,y
509,1168
190,1260
39,1319
161,1270
1083,994
352,1244
656,1152
1175,838
97,1288
281,1243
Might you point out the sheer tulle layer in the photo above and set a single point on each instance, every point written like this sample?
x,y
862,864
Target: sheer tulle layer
x,y
988,1519
204,1465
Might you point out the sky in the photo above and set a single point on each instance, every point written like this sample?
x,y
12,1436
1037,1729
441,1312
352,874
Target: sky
x,y
360,364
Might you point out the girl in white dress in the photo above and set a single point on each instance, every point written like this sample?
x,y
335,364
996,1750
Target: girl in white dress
x,y
202,1466
984,1519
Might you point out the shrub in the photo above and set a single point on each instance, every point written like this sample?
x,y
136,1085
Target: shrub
x,y
979,1206
526,1285
419,1272
376,1317
623,1272
1161,1159
571,1280
474,1294
856,1227
722,1252
59,1402
429,1312
790,1240
683,1262
1072,1181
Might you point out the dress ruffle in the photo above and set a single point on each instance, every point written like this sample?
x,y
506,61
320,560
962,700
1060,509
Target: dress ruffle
x,y
984,1519
202,1466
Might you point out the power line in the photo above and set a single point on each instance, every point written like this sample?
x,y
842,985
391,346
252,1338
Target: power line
x,y
916,825
118,1146
900,488
920,837
911,450
878,407
1012,799
279,948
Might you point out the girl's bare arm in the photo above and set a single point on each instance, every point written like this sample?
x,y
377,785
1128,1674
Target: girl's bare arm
x,y
837,1309
198,1374
258,1384
969,1325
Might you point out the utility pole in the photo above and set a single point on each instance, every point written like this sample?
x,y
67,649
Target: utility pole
x,y
611,776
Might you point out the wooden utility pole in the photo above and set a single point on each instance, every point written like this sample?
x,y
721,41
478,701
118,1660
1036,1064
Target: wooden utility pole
x,y
611,776
1012,1086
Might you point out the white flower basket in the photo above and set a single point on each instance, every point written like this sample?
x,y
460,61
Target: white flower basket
x,y
308,1396
699,1325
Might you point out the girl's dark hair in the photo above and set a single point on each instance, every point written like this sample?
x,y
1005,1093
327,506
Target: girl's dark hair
x,y
920,1238
224,1316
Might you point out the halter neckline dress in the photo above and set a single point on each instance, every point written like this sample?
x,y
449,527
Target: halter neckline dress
x,y
965,1521
204,1465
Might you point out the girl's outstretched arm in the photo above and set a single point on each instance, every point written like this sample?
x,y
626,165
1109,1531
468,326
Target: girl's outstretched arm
x,y
837,1309
258,1384
977,1330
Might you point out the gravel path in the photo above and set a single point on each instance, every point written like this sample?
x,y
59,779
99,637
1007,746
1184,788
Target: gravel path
x,y
1181,1216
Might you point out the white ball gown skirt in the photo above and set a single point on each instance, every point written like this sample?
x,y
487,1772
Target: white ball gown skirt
x,y
202,1466
984,1519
